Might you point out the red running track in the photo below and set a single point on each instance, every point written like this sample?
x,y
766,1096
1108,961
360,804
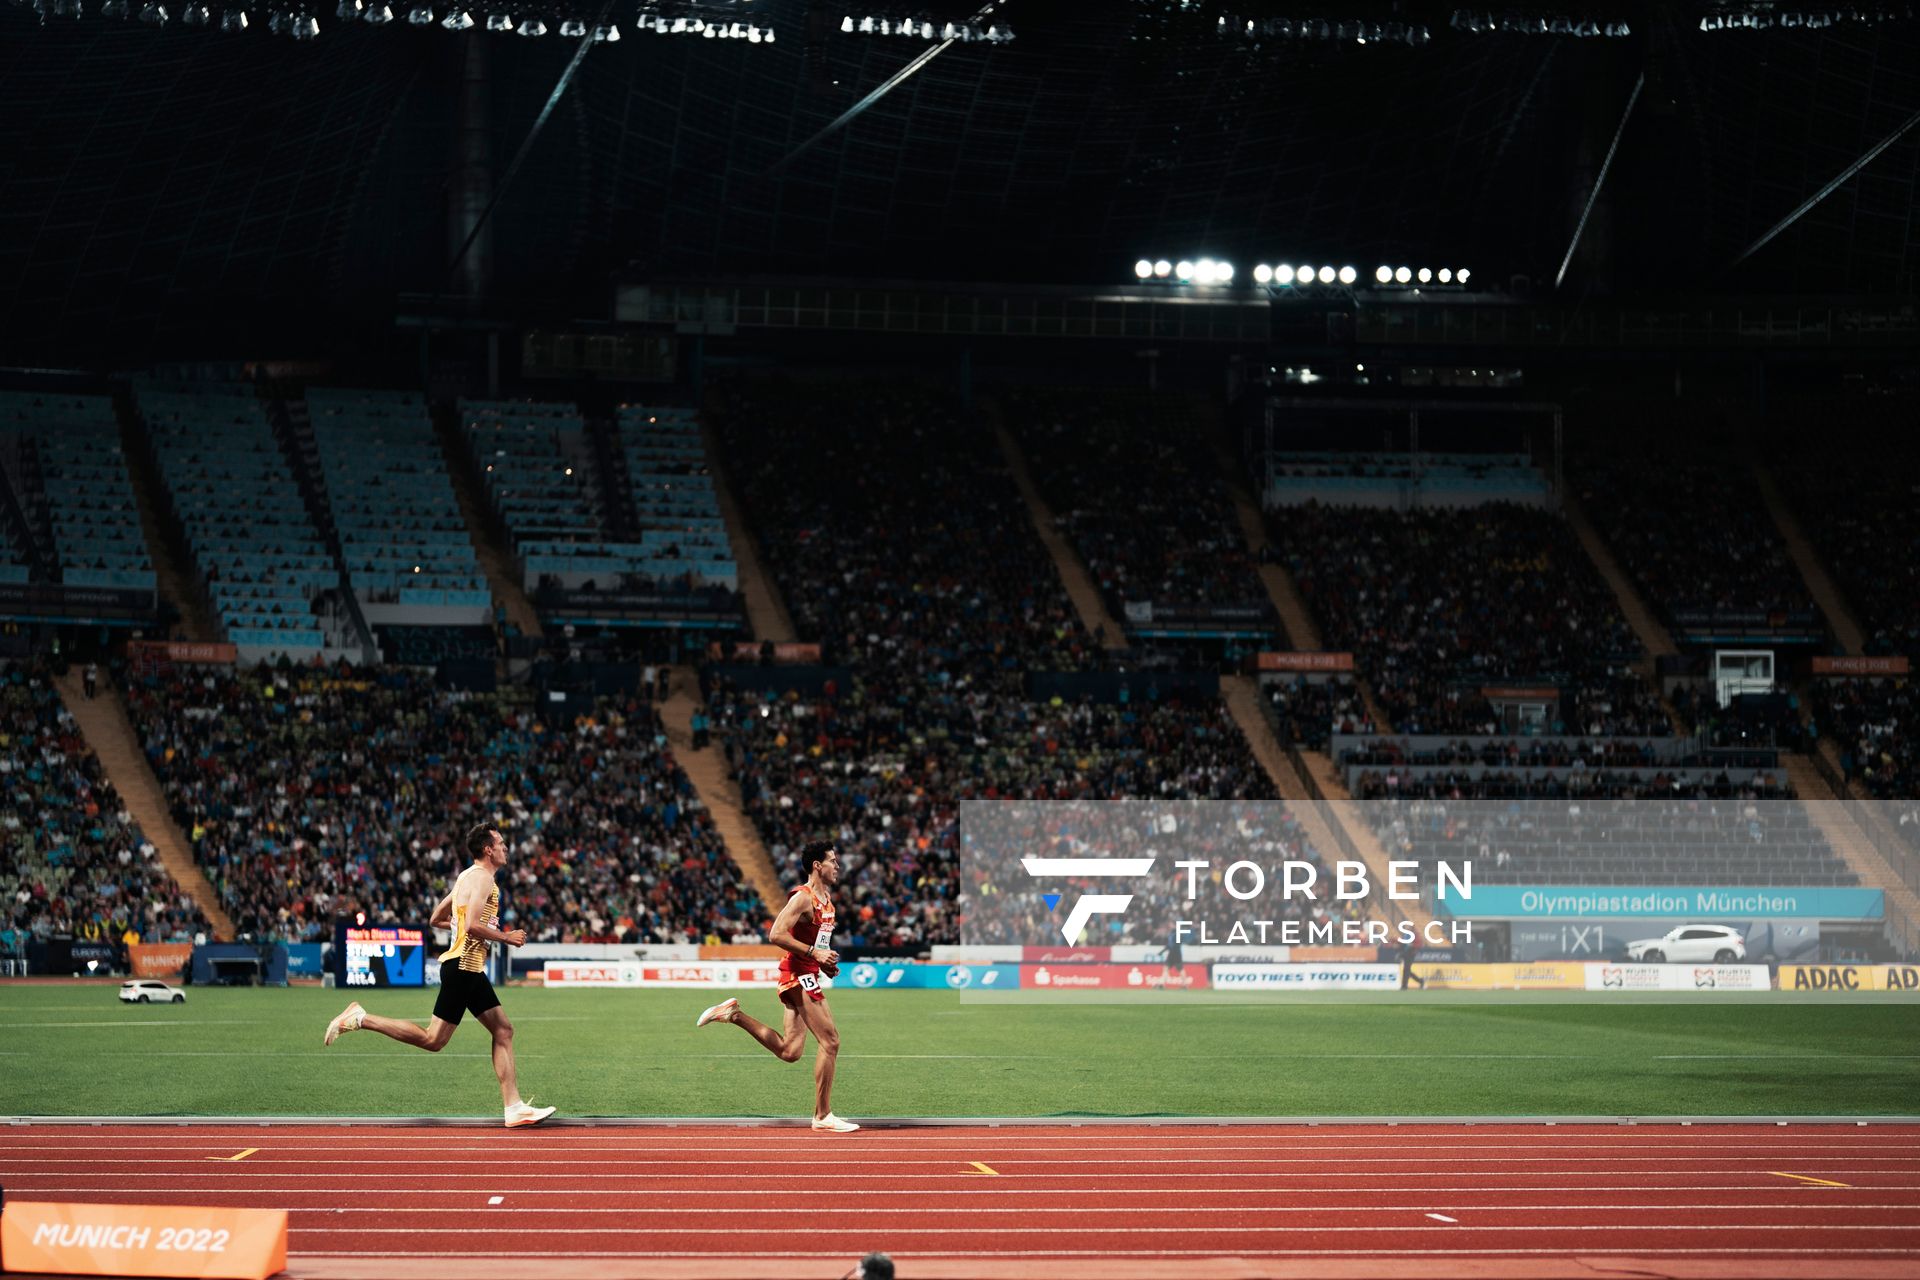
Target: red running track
x,y
581,1203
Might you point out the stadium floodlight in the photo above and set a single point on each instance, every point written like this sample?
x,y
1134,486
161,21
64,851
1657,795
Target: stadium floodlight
x,y
420,16
1461,275
1183,270
379,15
458,20
1303,274
573,28
1263,274
499,22
1403,275
1327,275
1163,268
1283,274
194,15
1205,271
1446,275
846,24
348,10
1383,274
609,34
1224,272
1142,269
305,27
153,13
1424,275
1348,275
532,27
233,21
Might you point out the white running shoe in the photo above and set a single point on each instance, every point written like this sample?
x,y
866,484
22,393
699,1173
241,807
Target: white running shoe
x,y
721,1012
831,1123
349,1020
522,1114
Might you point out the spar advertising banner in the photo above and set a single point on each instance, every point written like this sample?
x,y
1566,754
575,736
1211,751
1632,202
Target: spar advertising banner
x,y
1778,941
1850,977
699,974
1678,977
1306,977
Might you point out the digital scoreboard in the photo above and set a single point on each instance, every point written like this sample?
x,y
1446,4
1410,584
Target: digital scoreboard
x,y
380,955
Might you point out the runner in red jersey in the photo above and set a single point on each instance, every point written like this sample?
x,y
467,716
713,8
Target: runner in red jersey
x,y
804,930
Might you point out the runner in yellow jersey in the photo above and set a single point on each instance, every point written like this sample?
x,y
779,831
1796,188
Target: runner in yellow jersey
x,y
472,911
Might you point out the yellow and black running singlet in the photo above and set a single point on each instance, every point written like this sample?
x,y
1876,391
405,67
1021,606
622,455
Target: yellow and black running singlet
x,y
469,951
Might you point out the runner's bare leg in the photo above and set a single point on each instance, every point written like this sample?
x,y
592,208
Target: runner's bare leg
x,y
433,1037
785,1044
495,1021
819,1020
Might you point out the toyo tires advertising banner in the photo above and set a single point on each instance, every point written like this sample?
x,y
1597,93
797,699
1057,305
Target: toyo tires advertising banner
x,y
1306,977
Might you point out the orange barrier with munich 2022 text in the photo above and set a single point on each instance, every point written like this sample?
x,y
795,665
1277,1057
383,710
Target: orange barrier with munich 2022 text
x,y
142,1240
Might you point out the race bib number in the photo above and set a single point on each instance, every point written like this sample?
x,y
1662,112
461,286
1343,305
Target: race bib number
x,y
809,982
825,939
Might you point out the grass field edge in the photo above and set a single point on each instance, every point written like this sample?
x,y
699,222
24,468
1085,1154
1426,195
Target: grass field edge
x,y
935,1122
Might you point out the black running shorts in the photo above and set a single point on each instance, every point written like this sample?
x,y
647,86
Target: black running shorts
x,y
461,992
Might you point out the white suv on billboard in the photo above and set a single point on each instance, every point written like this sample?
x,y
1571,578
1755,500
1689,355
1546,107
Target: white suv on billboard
x,y
1692,944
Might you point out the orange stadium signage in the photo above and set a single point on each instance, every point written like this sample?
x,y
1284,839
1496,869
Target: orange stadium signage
x,y
159,959
1304,662
1888,666
185,651
142,1240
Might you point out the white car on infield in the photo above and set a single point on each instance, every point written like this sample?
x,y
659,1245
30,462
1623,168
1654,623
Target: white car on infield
x,y
144,991
1692,944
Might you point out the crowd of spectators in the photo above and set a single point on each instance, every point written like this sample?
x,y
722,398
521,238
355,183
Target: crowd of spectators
x,y
884,765
1876,726
72,861
1697,536
1131,483
314,792
1864,519
1307,713
892,525
1435,605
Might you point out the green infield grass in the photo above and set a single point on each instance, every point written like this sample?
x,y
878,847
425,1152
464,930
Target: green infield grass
x,y
75,1050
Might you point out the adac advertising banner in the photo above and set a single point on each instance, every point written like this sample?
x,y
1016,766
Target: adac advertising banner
x,y
1678,977
1523,901
1850,977
864,975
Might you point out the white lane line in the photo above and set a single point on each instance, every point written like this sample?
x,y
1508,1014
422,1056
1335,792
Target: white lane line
x,y
428,1151
872,1155
820,1228
590,1177
826,1215
655,1191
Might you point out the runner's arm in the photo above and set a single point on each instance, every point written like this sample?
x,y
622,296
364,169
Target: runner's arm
x,y
798,908
442,917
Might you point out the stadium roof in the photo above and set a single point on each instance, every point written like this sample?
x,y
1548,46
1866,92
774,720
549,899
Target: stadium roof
x,y
155,178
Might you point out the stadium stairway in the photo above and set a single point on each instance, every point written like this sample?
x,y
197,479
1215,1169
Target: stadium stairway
x,y
1066,561
1324,782
173,570
707,770
1651,632
488,537
1826,593
1303,634
1843,826
103,722
766,610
